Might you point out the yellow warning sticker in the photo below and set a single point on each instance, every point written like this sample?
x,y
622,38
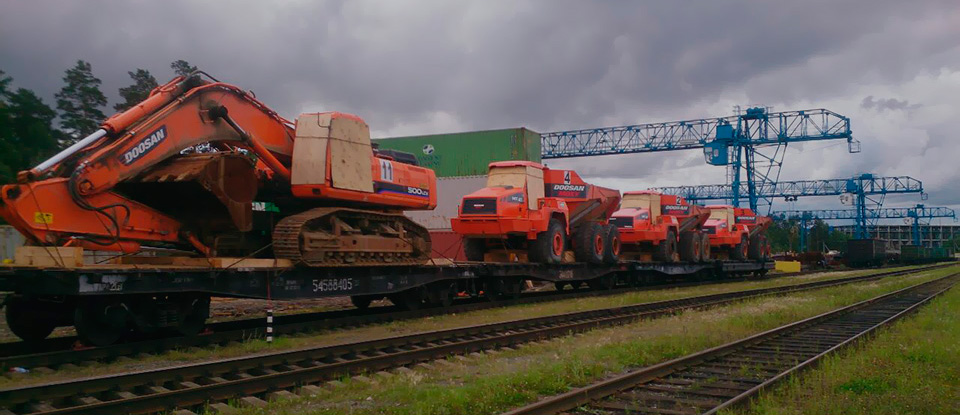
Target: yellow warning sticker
x,y
43,218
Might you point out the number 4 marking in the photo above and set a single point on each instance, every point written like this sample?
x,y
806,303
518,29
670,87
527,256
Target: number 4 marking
x,y
386,170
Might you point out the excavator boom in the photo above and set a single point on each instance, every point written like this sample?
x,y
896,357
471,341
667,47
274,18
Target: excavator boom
x,y
183,168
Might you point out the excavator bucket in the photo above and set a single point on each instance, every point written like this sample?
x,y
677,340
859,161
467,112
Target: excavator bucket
x,y
228,177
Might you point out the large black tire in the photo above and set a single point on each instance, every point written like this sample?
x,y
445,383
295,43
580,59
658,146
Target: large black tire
x,y
549,246
611,253
740,251
689,246
26,319
754,251
705,247
589,243
759,248
474,248
667,248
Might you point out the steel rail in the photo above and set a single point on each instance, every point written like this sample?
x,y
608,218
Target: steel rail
x,y
711,380
194,384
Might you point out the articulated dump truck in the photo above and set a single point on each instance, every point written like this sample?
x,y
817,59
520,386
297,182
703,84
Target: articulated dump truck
x,y
530,213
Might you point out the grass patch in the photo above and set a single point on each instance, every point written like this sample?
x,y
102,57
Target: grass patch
x,y
495,383
912,367
399,328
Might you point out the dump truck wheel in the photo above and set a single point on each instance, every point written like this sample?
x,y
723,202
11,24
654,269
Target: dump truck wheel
x,y
474,249
690,246
611,253
667,248
755,250
740,251
549,246
704,247
589,245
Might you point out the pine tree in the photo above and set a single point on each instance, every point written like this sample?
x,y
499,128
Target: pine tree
x,y
182,67
27,135
80,102
143,83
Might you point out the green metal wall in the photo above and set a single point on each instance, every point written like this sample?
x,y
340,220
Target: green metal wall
x,y
469,153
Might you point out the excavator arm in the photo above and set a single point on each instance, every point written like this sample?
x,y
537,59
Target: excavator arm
x,y
183,167
75,194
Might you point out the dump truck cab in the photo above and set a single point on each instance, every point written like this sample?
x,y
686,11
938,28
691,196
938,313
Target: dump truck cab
x,y
527,212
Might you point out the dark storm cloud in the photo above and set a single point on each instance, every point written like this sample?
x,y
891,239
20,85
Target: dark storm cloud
x,y
881,104
546,65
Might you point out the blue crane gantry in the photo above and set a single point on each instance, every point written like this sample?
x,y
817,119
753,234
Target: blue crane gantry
x,y
733,141
862,187
915,213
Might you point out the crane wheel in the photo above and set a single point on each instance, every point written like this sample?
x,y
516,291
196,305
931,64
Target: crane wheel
x,y
690,246
474,249
549,246
705,247
667,248
740,251
589,243
611,254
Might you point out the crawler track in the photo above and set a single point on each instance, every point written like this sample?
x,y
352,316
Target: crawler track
x,y
196,384
714,379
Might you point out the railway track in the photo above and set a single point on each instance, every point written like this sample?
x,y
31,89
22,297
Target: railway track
x,y
54,352
197,384
724,376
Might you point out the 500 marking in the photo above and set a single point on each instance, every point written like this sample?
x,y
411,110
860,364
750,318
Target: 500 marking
x,y
333,284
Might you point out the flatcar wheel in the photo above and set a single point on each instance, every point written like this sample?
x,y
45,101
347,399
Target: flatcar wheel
x,y
442,294
504,289
559,285
26,320
410,299
361,301
193,316
603,283
100,323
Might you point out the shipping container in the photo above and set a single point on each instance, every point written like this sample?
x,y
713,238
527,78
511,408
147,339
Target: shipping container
x,y
467,153
10,239
866,252
450,191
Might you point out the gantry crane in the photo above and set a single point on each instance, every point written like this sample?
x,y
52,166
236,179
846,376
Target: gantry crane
x,y
734,141
864,189
915,213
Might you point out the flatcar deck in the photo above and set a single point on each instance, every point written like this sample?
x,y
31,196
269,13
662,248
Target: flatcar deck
x,y
303,282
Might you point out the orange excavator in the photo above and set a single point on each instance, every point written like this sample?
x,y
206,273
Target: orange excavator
x,y
204,166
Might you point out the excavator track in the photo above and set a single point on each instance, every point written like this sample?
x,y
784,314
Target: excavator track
x,y
331,237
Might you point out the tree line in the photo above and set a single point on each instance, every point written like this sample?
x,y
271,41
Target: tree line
x,y
32,131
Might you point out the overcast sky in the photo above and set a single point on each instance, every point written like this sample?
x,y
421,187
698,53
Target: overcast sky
x,y
417,67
